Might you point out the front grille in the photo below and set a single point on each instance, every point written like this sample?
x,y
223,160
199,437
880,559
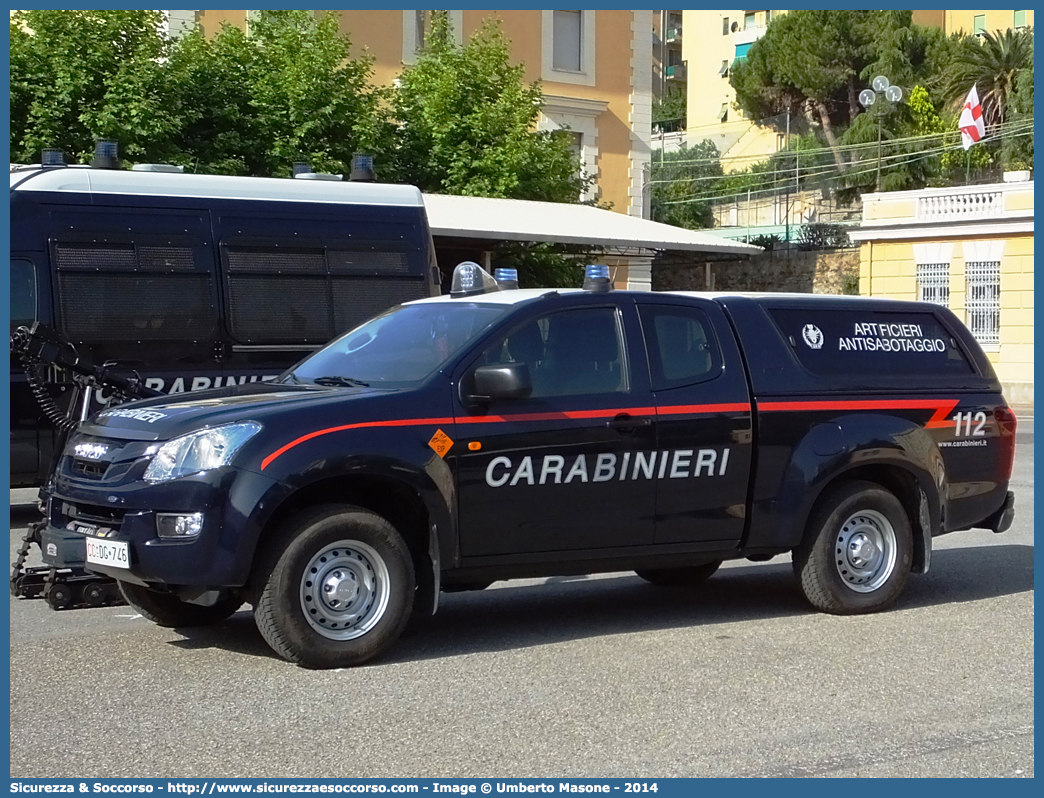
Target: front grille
x,y
89,469
63,512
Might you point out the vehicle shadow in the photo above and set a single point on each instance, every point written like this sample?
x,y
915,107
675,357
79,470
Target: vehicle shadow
x,y
570,608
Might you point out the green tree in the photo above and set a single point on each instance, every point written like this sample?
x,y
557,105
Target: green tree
x,y
684,184
81,75
820,60
1018,152
288,91
670,107
993,64
466,124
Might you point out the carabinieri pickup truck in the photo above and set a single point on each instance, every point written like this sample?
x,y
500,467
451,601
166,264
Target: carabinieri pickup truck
x,y
498,433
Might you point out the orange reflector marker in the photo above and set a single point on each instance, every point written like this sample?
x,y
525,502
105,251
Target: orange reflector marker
x,y
440,442
474,446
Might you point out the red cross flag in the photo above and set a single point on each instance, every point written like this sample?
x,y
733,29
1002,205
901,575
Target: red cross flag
x,y
970,124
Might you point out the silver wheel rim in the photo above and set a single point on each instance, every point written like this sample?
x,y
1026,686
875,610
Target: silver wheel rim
x,y
344,590
865,551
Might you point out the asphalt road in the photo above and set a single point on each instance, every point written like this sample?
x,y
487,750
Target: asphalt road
x,y
600,676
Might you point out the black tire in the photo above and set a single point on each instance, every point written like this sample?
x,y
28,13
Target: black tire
x,y
688,576
839,573
166,609
94,594
59,596
360,598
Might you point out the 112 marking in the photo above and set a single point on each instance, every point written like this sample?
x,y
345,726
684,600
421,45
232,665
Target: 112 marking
x,y
980,423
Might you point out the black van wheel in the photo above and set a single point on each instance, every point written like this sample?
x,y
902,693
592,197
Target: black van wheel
x,y
857,551
337,589
166,609
688,576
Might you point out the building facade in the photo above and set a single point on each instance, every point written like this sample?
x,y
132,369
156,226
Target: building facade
x,y
716,40
969,248
596,69
971,21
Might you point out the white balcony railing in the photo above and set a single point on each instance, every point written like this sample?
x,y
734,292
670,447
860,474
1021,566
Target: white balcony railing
x,y
962,204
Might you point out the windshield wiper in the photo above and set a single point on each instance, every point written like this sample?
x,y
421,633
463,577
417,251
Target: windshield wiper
x,y
335,379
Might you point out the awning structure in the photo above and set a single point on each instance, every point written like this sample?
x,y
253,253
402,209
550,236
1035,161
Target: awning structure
x,y
482,218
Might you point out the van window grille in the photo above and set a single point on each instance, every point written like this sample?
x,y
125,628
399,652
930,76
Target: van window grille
x,y
280,295
257,260
982,301
279,309
356,299
363,262
111,306
113,292
93,258
933,283
166,258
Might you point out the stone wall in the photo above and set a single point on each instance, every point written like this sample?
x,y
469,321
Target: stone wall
x,y
815,272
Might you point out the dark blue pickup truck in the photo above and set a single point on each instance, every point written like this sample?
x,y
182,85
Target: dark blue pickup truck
x,y
494,434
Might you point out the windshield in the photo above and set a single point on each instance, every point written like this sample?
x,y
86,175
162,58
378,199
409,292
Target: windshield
x,y
398,348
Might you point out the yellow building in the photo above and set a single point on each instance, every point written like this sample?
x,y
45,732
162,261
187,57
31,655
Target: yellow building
x,y
714,41
970,248
970,21
595,66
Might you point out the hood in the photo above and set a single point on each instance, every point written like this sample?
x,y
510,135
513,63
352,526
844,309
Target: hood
x,y
164,417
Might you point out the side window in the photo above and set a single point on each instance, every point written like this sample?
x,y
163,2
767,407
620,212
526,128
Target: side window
x,y
23,293
681,345
569,353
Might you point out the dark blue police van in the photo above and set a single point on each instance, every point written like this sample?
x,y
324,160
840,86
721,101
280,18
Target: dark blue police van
x,y
495,434
197,281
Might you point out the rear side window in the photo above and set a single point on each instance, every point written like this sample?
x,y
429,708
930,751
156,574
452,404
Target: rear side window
x,y
861,342
681,346
23,293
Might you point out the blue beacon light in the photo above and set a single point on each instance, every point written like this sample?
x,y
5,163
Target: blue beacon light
x,y
507,279
596,278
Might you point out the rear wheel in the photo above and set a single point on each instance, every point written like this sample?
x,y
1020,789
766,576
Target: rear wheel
x,y
858,550
688,576
337,589
166,609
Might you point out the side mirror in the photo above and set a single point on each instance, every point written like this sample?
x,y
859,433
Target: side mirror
x,y
503,381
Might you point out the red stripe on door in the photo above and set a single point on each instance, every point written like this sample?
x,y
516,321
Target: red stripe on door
x,y
942,407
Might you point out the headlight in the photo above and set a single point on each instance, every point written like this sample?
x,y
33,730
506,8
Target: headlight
x,y
199,451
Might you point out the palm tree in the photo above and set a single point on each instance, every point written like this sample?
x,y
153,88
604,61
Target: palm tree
x,y
993,64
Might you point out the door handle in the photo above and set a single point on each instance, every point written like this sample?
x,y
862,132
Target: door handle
x,y
625,423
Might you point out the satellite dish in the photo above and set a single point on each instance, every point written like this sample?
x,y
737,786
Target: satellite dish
x,y
867,97
893,94
880,83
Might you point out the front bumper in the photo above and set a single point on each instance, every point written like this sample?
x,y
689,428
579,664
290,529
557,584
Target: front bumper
x,y
232,502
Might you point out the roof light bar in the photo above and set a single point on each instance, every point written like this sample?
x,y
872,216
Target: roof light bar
x,y
507,279
596,279
470,279
52,157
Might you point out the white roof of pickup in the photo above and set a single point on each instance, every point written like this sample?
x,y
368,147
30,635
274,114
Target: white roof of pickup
x,y
561,223
166,184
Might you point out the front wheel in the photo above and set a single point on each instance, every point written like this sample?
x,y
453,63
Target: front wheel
x,y
337,590
858,551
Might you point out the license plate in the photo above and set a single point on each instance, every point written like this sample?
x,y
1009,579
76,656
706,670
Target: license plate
x,y
114,553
